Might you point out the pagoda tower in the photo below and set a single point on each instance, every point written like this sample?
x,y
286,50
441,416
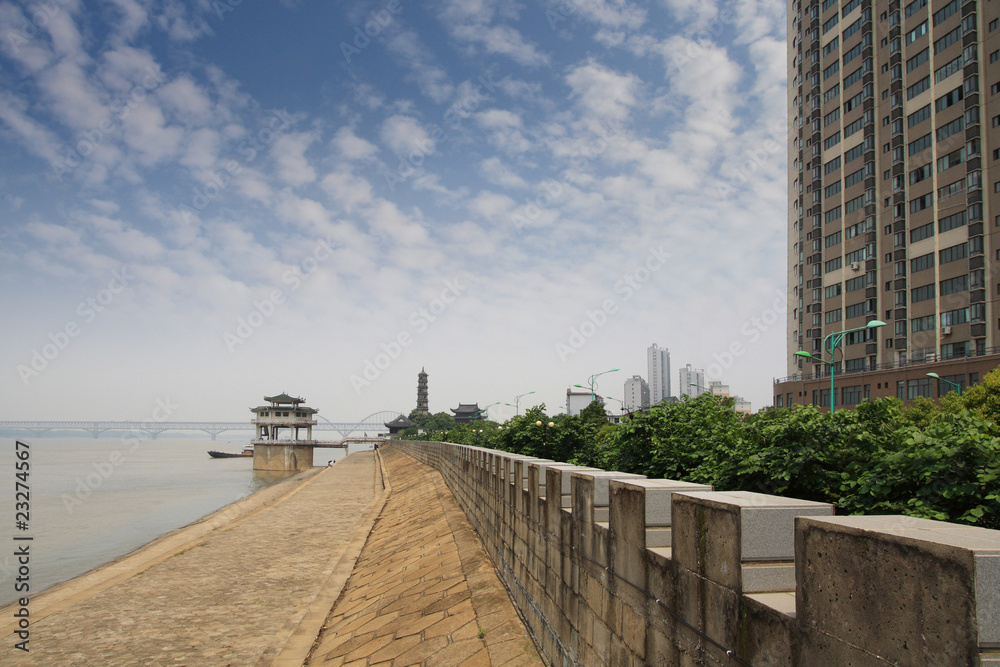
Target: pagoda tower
x,y
270,451
422,393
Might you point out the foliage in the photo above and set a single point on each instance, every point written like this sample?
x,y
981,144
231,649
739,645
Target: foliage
x,y
984,397
924,460
948,471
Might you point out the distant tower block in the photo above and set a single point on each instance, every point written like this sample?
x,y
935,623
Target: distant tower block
x,y
270,452
422,393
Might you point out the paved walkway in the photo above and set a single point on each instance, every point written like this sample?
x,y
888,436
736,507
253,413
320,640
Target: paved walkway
x,y
248,585
423,590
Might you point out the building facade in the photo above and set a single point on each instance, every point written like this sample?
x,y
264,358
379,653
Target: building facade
x,y
894,130
636,393
576,401
692,381
658,367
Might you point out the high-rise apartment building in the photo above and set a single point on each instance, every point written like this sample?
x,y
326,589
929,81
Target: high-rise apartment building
x,y
658,366
692,381
894,200
636,393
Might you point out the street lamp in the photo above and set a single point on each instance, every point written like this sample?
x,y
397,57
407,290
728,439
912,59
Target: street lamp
x,y
620,403
956,385
545,439
481,411
517,403
698,386
834,340
592,382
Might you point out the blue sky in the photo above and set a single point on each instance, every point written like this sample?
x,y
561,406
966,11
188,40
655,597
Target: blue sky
x,y
206,202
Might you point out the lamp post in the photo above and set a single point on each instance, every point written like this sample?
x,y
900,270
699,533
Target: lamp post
x,y
698,386
620,403
831,341
517,403
592,382
545,439
481,411
956,385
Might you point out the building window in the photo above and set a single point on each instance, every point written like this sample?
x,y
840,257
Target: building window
x,y
924,293
920,387
852,395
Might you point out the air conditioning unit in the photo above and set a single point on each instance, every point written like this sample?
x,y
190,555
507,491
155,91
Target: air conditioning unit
x,y
855,266
946,331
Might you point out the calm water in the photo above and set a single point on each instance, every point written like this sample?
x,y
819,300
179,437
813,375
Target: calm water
x,y
95,500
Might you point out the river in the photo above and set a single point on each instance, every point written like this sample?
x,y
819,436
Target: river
x,y
92,501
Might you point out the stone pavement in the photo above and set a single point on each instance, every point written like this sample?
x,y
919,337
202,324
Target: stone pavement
x,y
248,585
423,590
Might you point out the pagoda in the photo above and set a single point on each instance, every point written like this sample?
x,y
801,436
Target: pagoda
x,y
270,451
422,404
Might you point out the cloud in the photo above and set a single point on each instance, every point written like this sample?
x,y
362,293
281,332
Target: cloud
x,y
404,135
186,99
351,146
289,155
347,189
471,22
149,137
602,91
432,79
496,172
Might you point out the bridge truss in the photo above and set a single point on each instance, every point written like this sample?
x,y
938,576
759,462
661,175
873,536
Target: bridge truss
x,y
373,423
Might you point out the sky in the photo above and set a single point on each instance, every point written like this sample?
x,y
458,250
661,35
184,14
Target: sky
x,y
205,203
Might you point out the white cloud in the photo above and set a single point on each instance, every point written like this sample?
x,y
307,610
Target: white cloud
x,y
347,189
602,91
491,205
289,154
404,135
148,135
496,172
351,146
386,220
187,99
432,79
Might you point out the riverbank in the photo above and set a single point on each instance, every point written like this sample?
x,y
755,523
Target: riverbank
x,y
233,588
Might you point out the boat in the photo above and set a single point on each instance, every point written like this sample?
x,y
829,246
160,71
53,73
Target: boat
x,y
247,451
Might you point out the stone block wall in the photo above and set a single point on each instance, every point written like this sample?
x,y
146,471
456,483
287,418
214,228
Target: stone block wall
x,y
616,569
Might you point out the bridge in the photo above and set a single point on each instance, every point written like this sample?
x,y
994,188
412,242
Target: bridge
x,y
373,423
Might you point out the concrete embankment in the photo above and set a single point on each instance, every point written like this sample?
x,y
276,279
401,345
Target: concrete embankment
x,y
369,560
243,586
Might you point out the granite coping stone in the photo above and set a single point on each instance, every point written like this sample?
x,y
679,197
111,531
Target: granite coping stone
x,y
659,494
767,522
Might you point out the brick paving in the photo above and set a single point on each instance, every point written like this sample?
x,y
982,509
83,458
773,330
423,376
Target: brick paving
x,y
423,590
233,593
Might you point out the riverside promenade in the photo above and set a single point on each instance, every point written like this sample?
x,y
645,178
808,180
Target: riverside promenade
x,y
255,583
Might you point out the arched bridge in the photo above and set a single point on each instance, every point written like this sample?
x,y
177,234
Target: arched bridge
x,y
372,424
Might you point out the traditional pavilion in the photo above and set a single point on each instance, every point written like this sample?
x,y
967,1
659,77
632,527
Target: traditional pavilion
x,y
467,412
270,451
398,425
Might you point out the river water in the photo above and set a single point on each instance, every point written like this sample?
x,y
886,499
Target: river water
x,y
92,501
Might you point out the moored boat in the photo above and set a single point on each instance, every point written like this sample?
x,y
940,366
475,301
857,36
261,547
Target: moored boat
x,y
247,451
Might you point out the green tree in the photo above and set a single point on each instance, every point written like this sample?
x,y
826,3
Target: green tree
x,y
984,398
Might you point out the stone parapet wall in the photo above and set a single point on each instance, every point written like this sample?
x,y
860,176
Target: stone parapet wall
x,y
615,569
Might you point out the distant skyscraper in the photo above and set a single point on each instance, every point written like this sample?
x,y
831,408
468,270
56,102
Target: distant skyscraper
x,y
422,405
690,375
658,362
636,393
